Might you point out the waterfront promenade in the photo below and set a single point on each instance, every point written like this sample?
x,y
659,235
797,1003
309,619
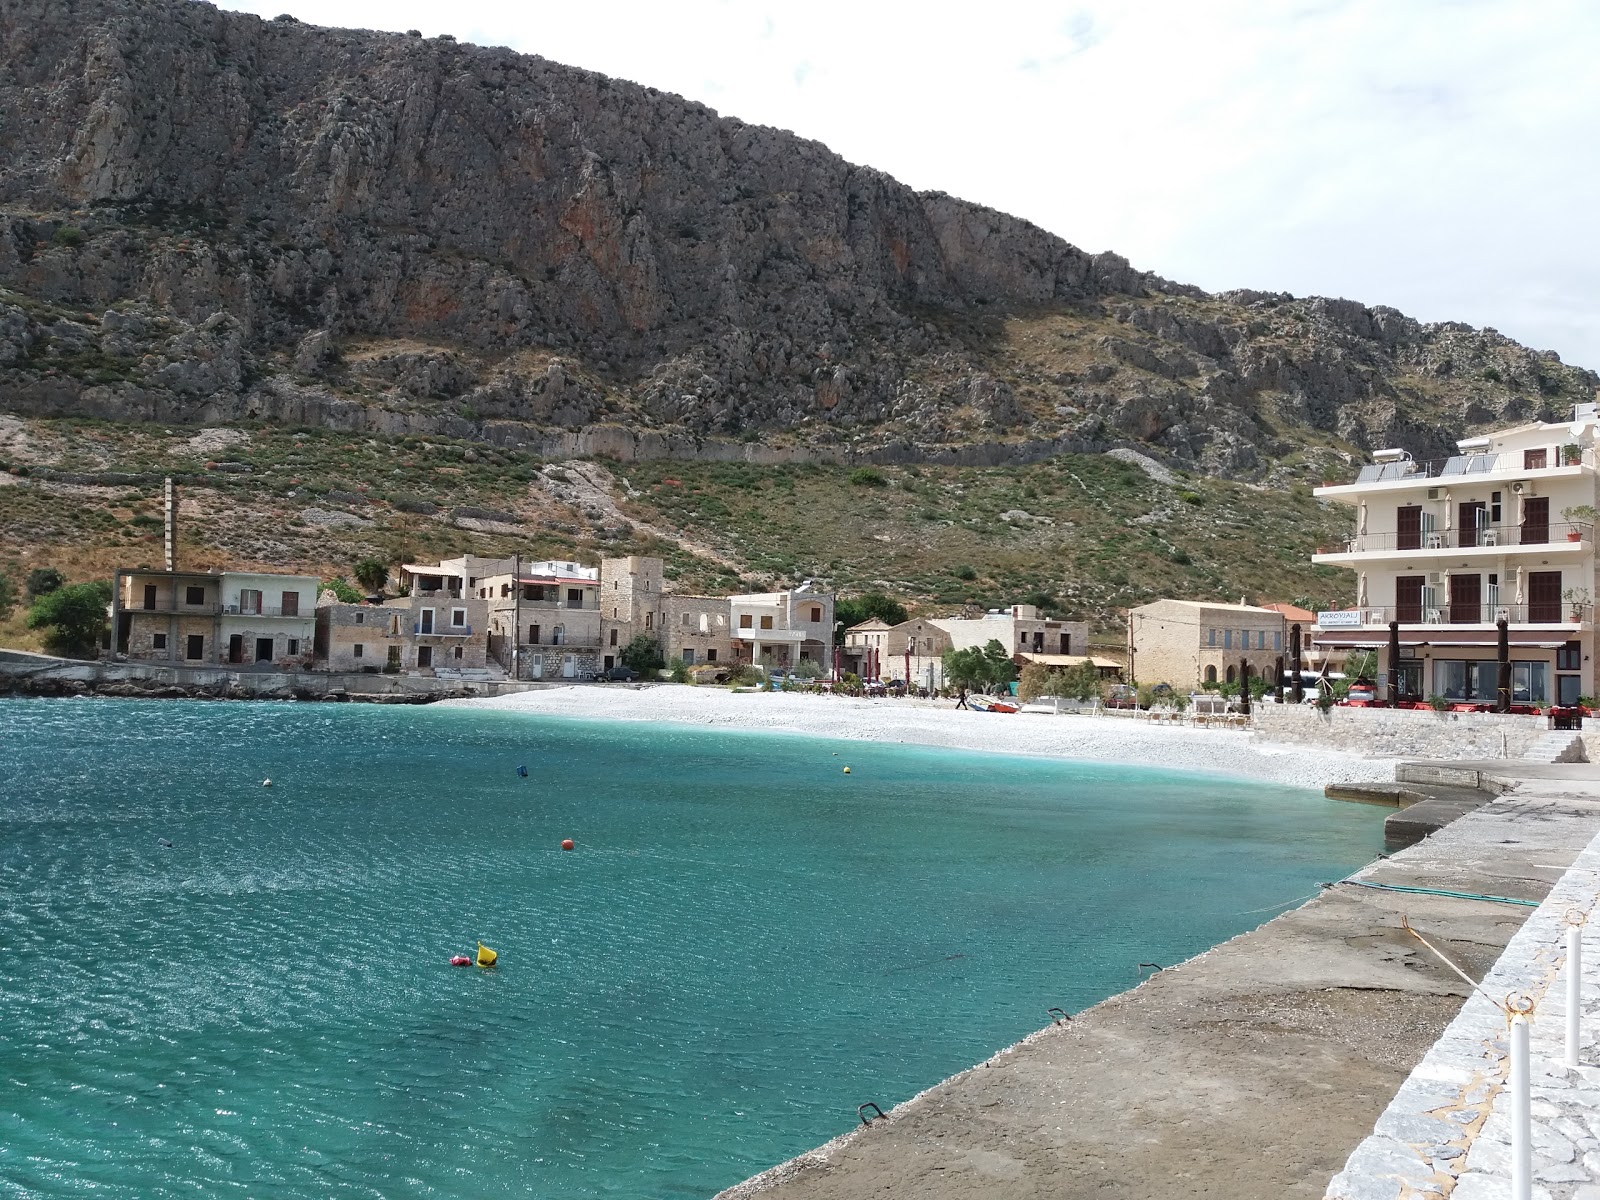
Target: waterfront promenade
x,y
1253,1070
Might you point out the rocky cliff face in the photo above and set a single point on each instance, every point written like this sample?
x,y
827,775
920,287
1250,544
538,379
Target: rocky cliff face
x,y
206,216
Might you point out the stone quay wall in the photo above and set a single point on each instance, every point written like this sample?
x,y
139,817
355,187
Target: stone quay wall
x,y
1401,732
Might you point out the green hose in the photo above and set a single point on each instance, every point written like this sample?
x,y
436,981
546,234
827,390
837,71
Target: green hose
x,y
1424,891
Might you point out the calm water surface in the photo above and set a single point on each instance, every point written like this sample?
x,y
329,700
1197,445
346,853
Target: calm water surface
x,y
745,945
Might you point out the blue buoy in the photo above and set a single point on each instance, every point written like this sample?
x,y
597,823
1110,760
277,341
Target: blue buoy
x,y
522,771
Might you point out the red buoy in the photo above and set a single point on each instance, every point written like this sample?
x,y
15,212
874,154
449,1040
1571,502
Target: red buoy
x,y
460,960
566,843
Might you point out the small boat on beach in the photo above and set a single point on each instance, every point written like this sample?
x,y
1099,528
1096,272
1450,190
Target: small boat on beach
x,y
982,703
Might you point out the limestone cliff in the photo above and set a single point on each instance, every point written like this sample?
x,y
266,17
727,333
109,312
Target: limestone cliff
x,y
207,216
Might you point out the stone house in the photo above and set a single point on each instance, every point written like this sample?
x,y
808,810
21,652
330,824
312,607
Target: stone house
x,y
1188,642
211,618
421,632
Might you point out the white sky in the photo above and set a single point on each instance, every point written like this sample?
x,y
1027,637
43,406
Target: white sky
x,y
1438,156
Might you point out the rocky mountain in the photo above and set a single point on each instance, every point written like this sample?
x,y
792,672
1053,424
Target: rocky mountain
x,y
209,217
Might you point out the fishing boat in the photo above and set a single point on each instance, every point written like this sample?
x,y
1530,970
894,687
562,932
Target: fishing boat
x,y
982,703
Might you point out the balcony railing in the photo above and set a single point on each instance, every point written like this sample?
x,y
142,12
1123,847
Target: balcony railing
x,y
1467,466
442,630
1487,536
262,610
1379,616
169,608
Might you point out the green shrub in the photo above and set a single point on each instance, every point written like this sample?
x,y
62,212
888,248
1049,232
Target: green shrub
x,y
343,590
44,580
868,477
968,573
70,236
75,616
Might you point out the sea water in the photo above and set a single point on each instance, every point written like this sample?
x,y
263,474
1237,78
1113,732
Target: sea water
x,y
745,944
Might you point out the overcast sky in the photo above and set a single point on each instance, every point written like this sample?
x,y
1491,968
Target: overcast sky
x,y
1439,156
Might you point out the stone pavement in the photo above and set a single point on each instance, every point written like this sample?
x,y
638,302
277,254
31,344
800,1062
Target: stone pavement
x,y
1447,1131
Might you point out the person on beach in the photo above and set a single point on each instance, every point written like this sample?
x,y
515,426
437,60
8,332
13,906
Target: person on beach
x,y
961,700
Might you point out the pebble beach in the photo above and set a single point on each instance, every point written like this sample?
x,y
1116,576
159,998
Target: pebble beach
x,y
1105,738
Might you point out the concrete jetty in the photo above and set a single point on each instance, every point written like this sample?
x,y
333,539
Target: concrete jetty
x,y
1250,1071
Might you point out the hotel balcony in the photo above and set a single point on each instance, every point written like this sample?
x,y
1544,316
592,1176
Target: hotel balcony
x,y
1568,460
1485,542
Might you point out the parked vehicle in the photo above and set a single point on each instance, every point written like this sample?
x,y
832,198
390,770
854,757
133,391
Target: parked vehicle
x,y
615,675
1122,695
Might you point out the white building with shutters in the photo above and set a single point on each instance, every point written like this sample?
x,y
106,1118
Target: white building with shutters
x,y
1505,529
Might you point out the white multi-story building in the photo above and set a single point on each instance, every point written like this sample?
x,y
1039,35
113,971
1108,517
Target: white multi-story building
x,y
1446,550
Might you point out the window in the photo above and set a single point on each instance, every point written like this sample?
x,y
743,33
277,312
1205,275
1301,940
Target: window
x,y
425,621
711,656
150,597
558,635
649,620
158,641
816,613
613,637
291,604
1568,657
361,618
766,622
1211,637
194,595
574,597
249,600
688,656
533,635
291,647
458,618
688,620
195,649
457,654
1533,460
1211,672
1277,639
424,656
358,651
1227,639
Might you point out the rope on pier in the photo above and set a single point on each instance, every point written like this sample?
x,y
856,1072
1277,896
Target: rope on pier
x,y
1427,891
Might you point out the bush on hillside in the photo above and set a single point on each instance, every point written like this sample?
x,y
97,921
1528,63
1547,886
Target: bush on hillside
x,y
75,616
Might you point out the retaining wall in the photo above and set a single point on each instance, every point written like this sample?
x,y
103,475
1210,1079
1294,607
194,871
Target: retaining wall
x,y
1401,732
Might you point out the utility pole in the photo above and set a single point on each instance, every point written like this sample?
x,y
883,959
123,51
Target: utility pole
x,y
516,615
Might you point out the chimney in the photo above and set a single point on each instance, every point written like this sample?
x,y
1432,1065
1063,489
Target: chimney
x,y
171,525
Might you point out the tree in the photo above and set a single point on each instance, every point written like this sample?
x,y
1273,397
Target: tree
x,y
342,590
643,655
44,580
75,615
372,574
852,610
979,668
8,596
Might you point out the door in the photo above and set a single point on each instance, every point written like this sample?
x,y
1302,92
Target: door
x,y
1408,599
1536,520
1038,642
236,648
424,656
394,658
1066,643
195,647
1473,517
1544,597
1466,599
1408,522
1408,680
263,649
150,597
291,604
611,661
426,621
533,635
569,667
1534,460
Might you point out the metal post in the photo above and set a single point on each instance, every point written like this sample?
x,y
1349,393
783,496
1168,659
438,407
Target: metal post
x,y
1277,684
1521,1117
1574,987
1295,666
1502,696
516,615
1394,664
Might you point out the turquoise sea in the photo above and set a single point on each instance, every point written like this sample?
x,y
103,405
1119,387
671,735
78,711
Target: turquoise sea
x,y
745,944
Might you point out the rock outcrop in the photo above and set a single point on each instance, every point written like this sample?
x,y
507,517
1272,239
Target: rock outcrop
x,y
207,216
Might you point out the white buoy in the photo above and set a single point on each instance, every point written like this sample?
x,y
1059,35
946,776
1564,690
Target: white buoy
x,y
1521,1114
266,783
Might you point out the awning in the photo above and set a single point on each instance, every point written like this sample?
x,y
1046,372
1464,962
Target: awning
x,y
1069,660
1376,639
769,635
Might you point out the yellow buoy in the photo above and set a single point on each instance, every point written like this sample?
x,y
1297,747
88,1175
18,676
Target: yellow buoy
x,y
266,783
486,956
847,770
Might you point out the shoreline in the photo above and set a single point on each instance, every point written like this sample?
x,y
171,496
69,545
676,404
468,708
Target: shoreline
x,y
1224,753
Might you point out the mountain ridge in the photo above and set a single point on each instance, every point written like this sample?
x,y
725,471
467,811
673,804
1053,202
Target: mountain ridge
x,y
210,217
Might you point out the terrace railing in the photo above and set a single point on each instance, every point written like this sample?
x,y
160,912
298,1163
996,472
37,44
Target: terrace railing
x,y
1459,539
1445,613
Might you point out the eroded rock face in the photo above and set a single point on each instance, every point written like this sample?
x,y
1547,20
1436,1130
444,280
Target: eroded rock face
x,y
389,232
